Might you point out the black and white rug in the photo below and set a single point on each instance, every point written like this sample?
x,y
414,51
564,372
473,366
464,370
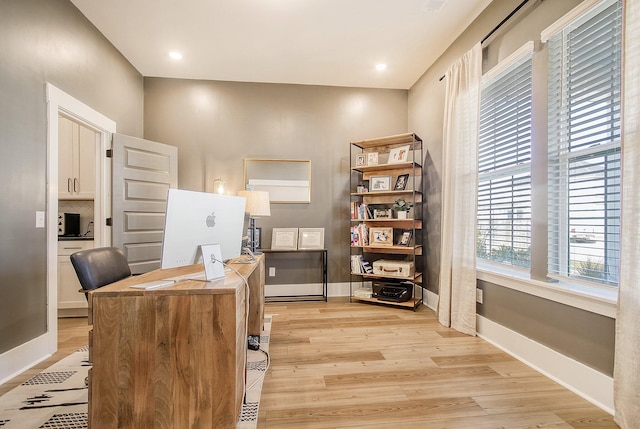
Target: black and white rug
x,y
57,397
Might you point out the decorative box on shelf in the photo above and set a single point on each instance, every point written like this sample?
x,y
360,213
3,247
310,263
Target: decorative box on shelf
x,y
387,267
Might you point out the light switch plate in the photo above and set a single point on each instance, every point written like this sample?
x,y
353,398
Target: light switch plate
x,y
39,219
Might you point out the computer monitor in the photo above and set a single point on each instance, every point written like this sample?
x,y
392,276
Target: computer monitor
x,y
195,218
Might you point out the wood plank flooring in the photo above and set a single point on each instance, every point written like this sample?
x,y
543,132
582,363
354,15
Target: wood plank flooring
x,y
355,365
362,366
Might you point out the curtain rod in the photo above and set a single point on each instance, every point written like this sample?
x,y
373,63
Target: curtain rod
x,y
497,27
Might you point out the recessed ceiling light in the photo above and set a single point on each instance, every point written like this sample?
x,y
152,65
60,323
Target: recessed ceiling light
x,y
381,67
175,55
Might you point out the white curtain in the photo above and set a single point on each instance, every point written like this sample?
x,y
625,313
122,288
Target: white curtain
x,y
626,374
457,300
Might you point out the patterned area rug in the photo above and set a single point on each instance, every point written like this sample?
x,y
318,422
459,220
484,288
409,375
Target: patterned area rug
x,y
57,397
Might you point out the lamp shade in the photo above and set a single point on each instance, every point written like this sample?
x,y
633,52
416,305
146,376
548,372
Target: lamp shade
x,y
257,203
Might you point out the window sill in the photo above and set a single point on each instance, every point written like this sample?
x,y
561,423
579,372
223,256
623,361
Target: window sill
x,y
599,300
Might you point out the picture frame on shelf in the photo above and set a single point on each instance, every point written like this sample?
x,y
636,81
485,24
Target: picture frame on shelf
x,y
405,238
401,182
284,239
361,160
380,236
310,238
380,183
399,154
372,158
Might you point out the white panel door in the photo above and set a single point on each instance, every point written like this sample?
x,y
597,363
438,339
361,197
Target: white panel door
x,y
143,172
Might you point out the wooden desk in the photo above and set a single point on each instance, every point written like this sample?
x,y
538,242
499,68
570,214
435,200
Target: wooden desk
x,y
172,357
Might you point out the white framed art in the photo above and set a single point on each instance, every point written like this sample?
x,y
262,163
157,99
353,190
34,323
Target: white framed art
x,y
310,238
284,239
399,154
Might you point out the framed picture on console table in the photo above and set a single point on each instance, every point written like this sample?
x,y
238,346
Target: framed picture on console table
x,y
284,239
310,238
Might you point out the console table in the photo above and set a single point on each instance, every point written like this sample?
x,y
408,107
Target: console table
x,y
172,357
323,268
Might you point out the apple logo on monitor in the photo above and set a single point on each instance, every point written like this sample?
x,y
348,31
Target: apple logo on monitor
x,y
211,220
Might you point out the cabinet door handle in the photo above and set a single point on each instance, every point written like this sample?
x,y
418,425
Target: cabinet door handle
x,y
69,185
75,182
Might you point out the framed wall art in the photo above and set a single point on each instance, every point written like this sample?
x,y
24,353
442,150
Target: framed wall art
x,y
286,180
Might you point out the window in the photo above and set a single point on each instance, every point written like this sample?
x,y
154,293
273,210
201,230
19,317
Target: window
x,y
584,125
504,163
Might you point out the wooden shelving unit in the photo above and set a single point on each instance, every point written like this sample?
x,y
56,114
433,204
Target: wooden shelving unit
x,y
394,157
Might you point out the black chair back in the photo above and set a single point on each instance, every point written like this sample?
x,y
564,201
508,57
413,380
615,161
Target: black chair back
x,y
100,266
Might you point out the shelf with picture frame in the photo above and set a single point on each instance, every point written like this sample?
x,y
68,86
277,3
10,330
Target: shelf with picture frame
x,y
386,176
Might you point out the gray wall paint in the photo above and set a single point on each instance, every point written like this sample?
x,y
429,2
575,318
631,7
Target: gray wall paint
x,y
45,41
215,125
581,335
584,336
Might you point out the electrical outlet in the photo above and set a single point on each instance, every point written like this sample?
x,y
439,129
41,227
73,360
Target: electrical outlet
x,y
272,271
479,295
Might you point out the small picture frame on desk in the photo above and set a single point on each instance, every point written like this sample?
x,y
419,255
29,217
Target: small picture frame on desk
x,y
284,239
361,160
310,238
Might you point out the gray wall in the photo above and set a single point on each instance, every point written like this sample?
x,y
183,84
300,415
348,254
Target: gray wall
x,y
582,335
215,125
45,41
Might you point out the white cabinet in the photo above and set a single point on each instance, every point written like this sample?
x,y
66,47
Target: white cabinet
x,y
69,297
76,161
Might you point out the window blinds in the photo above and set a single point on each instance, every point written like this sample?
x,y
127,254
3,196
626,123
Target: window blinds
x,y
584,98
504,166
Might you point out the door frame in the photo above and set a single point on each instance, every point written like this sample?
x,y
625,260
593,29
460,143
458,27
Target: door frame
x,y
58,102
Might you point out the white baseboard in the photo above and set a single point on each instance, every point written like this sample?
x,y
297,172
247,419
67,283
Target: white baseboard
x,y
19,359
586,382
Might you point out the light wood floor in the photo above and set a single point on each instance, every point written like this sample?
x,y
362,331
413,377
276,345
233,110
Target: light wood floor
x,y
341,365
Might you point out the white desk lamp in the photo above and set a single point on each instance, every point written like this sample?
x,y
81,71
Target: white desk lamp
x,y
258,206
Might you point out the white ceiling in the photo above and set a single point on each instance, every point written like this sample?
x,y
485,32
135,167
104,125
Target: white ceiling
x,y
315,42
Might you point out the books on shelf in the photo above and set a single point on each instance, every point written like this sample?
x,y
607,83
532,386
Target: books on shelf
x,y
360,211
360,266
359,235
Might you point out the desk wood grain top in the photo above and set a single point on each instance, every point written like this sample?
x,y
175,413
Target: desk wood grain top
x,y
229,284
